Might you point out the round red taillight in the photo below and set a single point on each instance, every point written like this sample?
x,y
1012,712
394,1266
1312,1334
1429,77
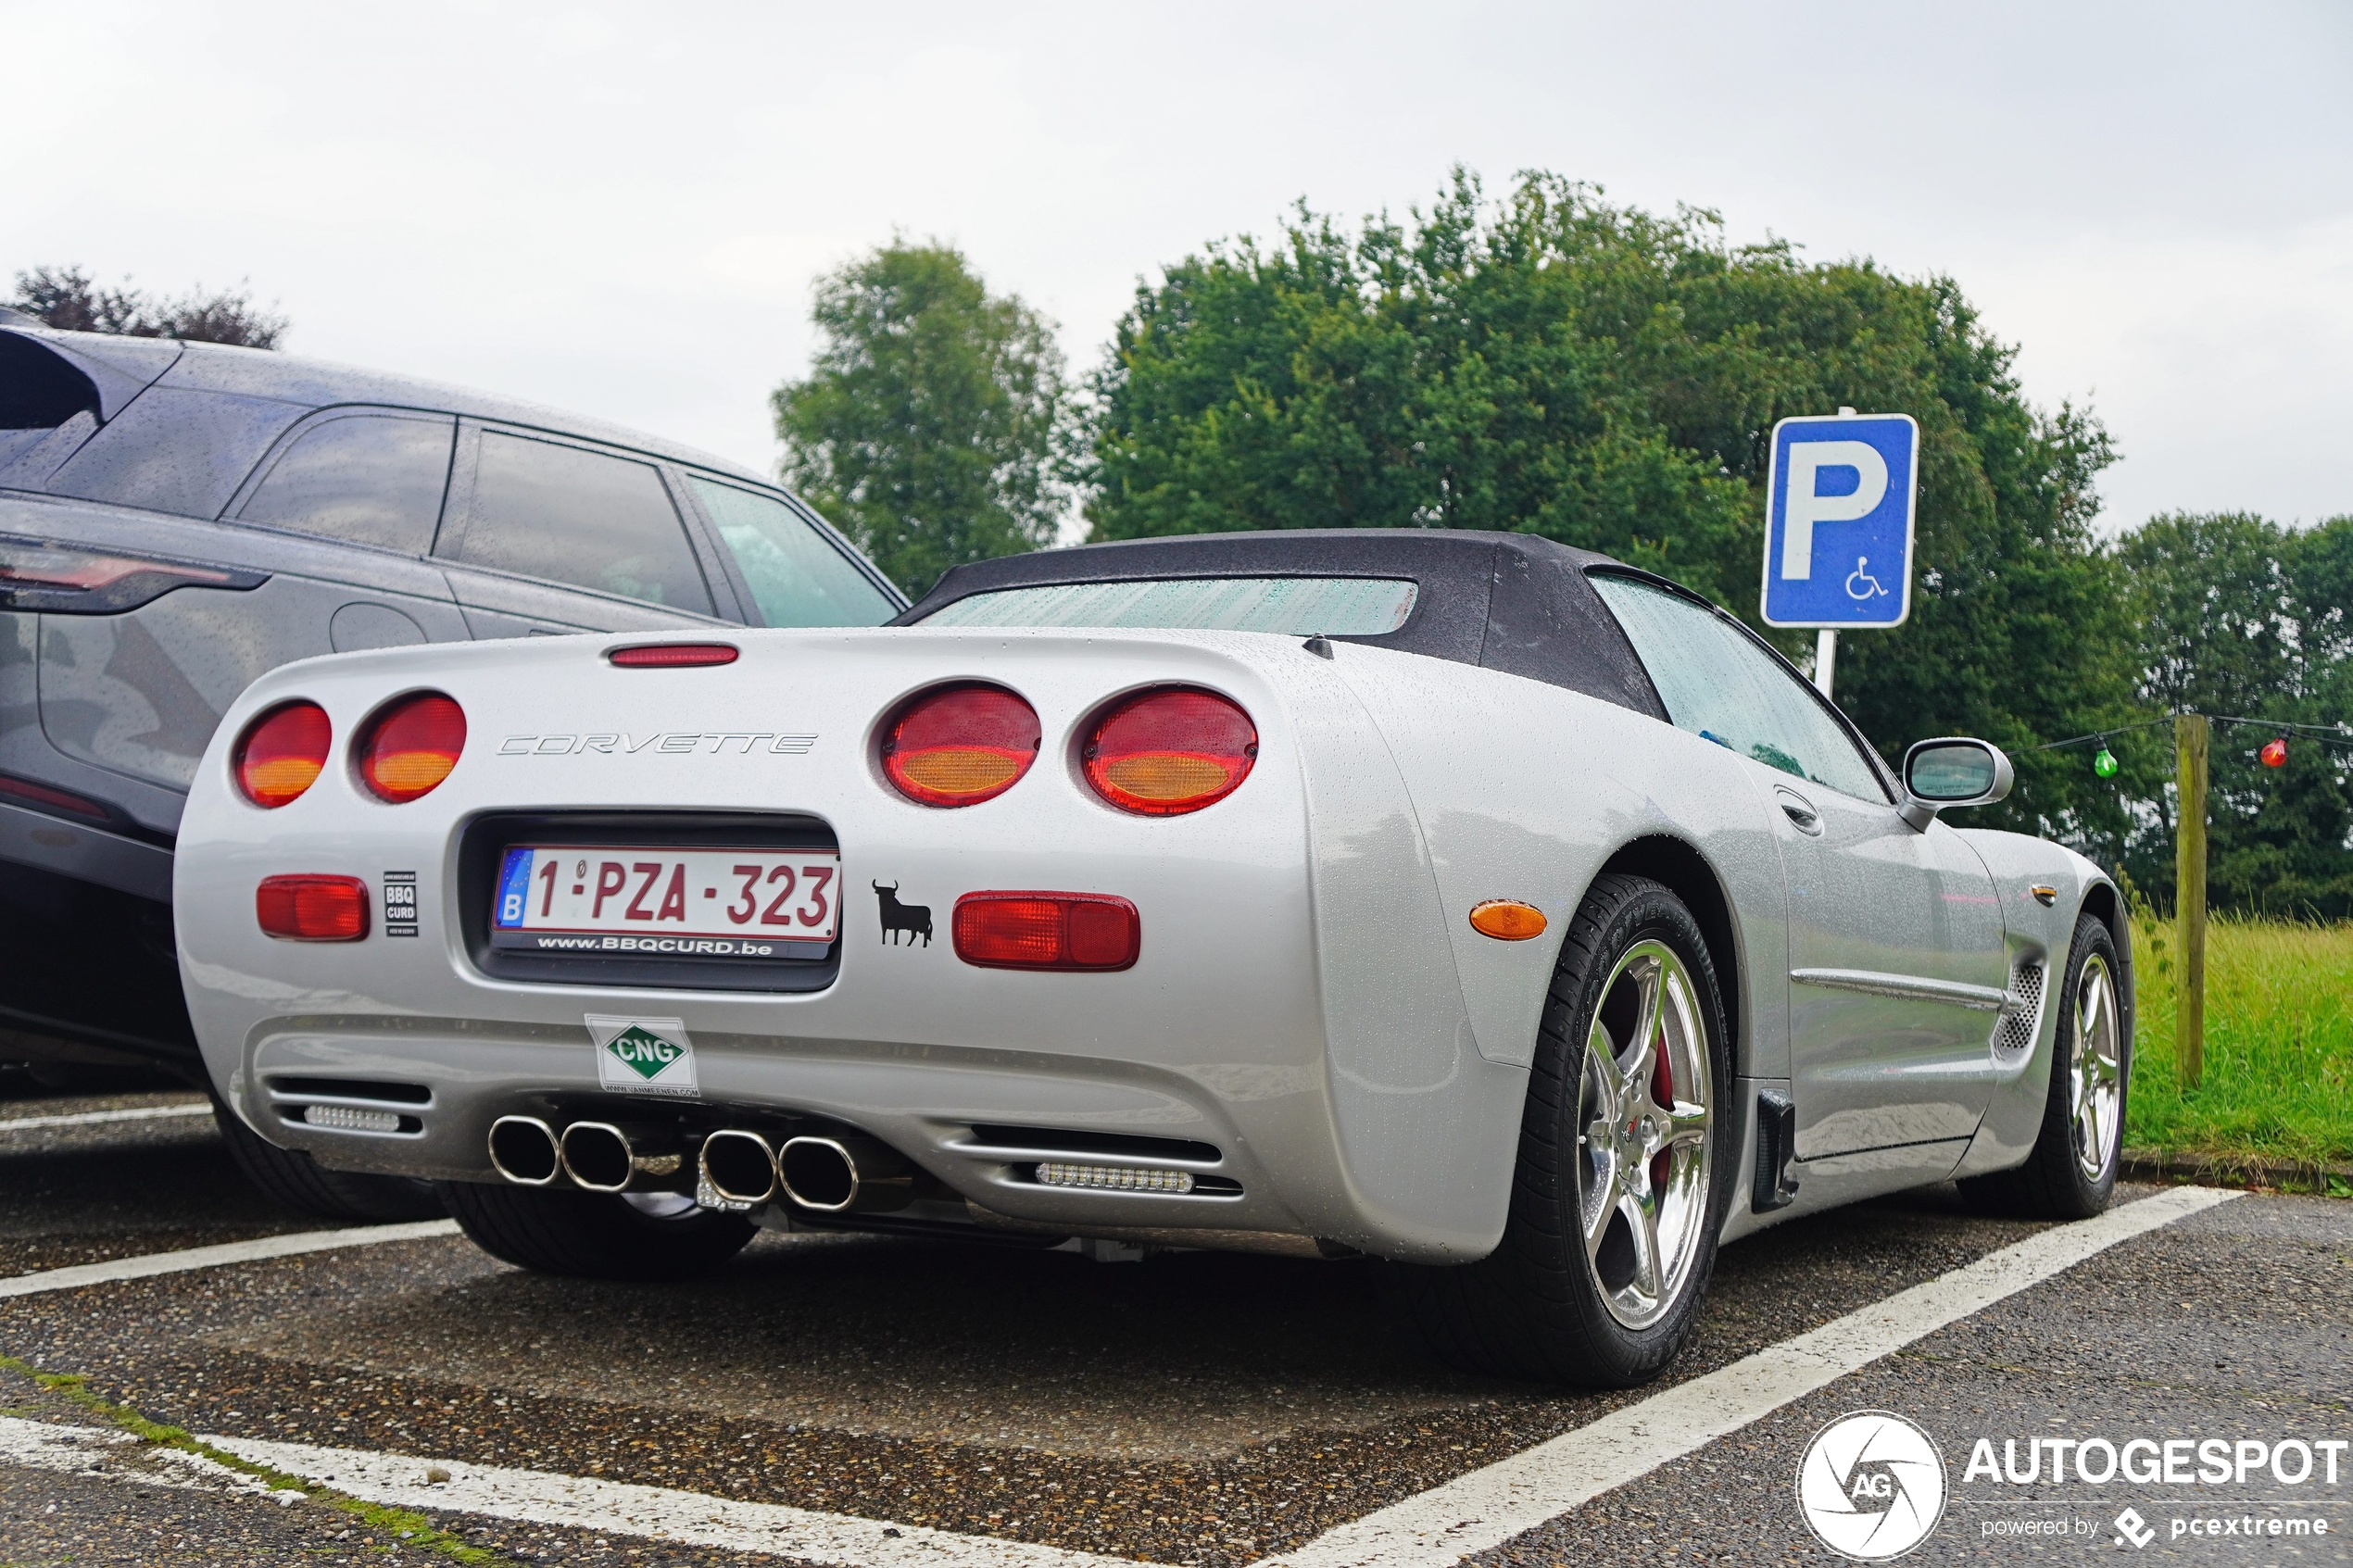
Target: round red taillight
x,y
408,747
959,746
1163,753
282,752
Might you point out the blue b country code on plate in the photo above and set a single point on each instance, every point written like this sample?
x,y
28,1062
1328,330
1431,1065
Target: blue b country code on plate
x,y
666,902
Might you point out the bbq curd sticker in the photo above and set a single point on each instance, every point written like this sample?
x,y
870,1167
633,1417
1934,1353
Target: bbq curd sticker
x,y
644,1056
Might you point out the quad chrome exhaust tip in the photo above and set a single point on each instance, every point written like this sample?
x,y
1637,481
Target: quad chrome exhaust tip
x,y
734,1169
738,1167
601,1157
524,1150
844,1175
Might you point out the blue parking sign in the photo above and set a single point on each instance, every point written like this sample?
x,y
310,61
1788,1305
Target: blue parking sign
x,y
1838,521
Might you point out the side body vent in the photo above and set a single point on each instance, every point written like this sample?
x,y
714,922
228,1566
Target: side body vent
x,y
2016,1030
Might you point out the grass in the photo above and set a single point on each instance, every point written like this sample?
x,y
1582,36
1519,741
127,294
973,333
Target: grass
x,y
2279,1044
402,1525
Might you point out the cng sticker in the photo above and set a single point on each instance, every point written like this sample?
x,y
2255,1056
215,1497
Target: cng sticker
x,y
644,1056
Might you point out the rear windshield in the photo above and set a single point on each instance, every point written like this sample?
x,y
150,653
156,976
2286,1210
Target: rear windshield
x,y
1344,607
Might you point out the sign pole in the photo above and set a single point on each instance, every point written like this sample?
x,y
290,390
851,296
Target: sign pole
x,y
1825,660
2190,736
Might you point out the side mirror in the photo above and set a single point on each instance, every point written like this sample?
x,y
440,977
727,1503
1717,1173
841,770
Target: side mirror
x,y
1953,770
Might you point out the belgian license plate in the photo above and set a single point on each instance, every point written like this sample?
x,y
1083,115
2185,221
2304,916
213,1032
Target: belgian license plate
x,y
667,902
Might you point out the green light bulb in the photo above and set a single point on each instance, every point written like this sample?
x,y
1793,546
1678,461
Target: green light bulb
x,y
2103,763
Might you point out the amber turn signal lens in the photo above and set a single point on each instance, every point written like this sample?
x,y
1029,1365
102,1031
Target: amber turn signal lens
x,y
282,752
1164,753
408,748
312,909
1507,919
1047,930
959,746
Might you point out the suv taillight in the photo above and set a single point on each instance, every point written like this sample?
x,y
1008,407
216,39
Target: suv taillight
x,y
959,746
408,747
283,753
1164,753
312,909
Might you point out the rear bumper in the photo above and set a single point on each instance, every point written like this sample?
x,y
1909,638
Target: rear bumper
x,y
92,965
85,853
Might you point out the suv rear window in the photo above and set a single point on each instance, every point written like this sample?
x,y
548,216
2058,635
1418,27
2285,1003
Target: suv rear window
x,y
797,578
568,514
1344,607
369,479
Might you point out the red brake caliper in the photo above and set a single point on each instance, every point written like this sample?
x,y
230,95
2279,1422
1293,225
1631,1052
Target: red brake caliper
x,y
1662,1094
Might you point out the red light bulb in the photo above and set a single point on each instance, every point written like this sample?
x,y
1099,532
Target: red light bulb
x,y
2274,753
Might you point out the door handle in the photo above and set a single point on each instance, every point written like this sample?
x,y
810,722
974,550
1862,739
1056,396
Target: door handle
x,y
1799,810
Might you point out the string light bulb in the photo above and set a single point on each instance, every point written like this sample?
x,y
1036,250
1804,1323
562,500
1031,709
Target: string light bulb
x,y
2104,762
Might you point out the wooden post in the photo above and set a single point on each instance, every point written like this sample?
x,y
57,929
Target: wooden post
x,y
2190,734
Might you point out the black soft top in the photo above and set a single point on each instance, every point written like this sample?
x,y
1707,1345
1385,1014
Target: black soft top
x,y
1513,602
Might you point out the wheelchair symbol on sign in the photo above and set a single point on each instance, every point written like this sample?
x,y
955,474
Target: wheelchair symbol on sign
x,y
1869,585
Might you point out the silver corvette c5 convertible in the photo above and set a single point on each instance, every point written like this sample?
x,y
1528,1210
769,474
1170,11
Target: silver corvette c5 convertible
x,y
1460,900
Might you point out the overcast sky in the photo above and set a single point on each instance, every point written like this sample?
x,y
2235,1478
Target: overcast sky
x,y
620,209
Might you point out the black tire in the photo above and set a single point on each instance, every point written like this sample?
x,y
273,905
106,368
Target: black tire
x,y
291,1178
2053,1183
592,1235
1533,1307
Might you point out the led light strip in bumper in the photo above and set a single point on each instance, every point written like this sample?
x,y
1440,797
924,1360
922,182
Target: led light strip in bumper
x,y
1113,1178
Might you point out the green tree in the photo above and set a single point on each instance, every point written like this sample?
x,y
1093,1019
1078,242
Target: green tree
x,y
931,427
65,297
1610,378
2238,616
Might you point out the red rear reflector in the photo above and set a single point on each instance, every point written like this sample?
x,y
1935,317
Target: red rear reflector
x,y
1163,753
1047,930
283,753
408,748
673,656
41,798
312,909
959,746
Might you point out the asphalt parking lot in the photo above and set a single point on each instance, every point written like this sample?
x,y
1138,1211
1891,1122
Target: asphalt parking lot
x,y
857,1399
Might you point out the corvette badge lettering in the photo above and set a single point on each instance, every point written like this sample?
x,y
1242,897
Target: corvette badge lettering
x,y
742,742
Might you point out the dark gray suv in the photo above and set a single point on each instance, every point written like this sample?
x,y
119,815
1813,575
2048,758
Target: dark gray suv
x,y
176,519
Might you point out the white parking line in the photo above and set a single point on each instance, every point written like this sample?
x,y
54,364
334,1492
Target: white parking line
x,y
580,1502
112,1455
92,1118
1489,1507
535,1497
147,1265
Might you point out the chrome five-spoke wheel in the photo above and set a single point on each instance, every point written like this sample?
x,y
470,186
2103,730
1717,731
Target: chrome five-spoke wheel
x,y
1646,1113
2097,1070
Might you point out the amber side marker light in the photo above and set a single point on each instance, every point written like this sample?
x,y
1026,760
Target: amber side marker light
x,y
411,746
283,753
312,909
1068,931
1166,752
673,656
961,745
1507,919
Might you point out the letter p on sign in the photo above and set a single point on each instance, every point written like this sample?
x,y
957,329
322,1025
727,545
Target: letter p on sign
x,y
1806,506
1838,526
